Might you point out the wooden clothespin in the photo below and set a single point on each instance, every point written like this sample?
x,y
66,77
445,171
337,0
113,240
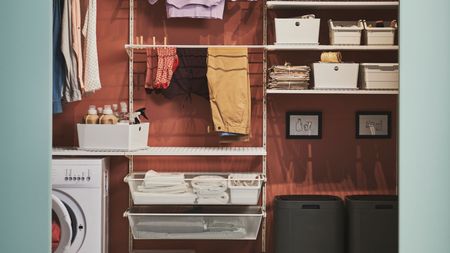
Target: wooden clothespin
x,y
154,40
165,41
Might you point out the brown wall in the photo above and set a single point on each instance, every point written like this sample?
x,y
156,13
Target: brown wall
x,y
337,164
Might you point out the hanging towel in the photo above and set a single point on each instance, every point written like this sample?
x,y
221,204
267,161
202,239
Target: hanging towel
x,y
190,76
91,69
71,88
76,40
167,64
152,67
229,89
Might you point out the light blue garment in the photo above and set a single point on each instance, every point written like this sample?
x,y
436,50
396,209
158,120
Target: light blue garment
x,y
58,60
207,9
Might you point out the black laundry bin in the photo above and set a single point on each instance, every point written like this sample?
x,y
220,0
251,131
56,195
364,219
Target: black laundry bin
x,y
309,223
372,223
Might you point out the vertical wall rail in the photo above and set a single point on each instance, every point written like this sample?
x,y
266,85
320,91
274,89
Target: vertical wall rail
x,y
264,134
130,105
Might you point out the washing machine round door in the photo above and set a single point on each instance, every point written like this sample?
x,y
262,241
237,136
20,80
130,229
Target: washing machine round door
x,y
71,221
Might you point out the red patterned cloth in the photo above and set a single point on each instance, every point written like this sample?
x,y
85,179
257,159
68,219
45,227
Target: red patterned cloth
x,y
167,64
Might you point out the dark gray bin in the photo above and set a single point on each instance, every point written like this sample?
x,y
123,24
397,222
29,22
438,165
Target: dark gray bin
x,y
372,224
309,223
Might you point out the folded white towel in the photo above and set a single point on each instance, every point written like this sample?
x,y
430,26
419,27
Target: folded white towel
x,y
220,199
181,188
145,198
153,178
209,185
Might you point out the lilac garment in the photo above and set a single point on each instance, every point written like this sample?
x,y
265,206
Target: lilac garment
x,y
208,9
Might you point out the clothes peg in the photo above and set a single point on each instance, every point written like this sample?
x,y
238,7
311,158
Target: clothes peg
x,y
165,41
141,40
154,40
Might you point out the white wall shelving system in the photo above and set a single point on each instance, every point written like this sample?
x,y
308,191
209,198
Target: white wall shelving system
x,y
243,151
198,151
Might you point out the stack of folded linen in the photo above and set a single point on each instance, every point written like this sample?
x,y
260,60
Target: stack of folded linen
x,y
210,190
289,77
166,188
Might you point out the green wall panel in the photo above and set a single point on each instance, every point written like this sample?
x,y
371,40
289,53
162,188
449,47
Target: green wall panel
x,y
25,140
425,126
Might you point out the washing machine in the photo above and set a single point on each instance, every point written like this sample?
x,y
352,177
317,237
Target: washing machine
x,y
79,205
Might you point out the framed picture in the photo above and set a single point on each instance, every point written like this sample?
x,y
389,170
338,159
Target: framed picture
x,y
303,125
373,124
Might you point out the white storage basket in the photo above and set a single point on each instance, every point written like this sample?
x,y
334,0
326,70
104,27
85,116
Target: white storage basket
x,y
335,75
117,137
297,30
345,32
232,194
379,76
244,188
186,222
379,35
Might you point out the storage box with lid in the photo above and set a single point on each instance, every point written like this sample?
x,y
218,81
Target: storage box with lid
x,y
345,32
379,76
372,223
297,30
117,137
379,35
335,75
309,223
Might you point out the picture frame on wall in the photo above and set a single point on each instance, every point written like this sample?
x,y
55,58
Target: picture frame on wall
x,y
373,125
303,125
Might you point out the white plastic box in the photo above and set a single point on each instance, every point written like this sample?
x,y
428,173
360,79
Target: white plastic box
x,y
297,30
244,194
379,35
335,75
379,76
345,32
118,137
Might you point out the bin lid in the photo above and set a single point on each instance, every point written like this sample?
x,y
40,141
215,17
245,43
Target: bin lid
x,y
371,198
307,198
308,202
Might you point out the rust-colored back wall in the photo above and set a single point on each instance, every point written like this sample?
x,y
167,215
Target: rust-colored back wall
x,y
337,164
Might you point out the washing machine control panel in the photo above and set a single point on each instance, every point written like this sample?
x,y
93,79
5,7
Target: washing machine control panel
x,y
76,176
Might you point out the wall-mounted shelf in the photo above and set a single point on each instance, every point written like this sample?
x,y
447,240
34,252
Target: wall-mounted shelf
x,y
74,151
332,5
335,91
165,151
129,47
330,47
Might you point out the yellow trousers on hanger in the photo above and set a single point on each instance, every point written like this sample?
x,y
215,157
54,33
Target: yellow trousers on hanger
x,y
229,89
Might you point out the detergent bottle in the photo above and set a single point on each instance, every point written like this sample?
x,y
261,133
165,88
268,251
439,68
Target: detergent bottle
x,y
91,117
108,116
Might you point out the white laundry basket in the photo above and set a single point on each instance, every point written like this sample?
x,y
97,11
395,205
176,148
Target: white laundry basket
x,y
297,30
345,32
379,76
379,35
117,137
